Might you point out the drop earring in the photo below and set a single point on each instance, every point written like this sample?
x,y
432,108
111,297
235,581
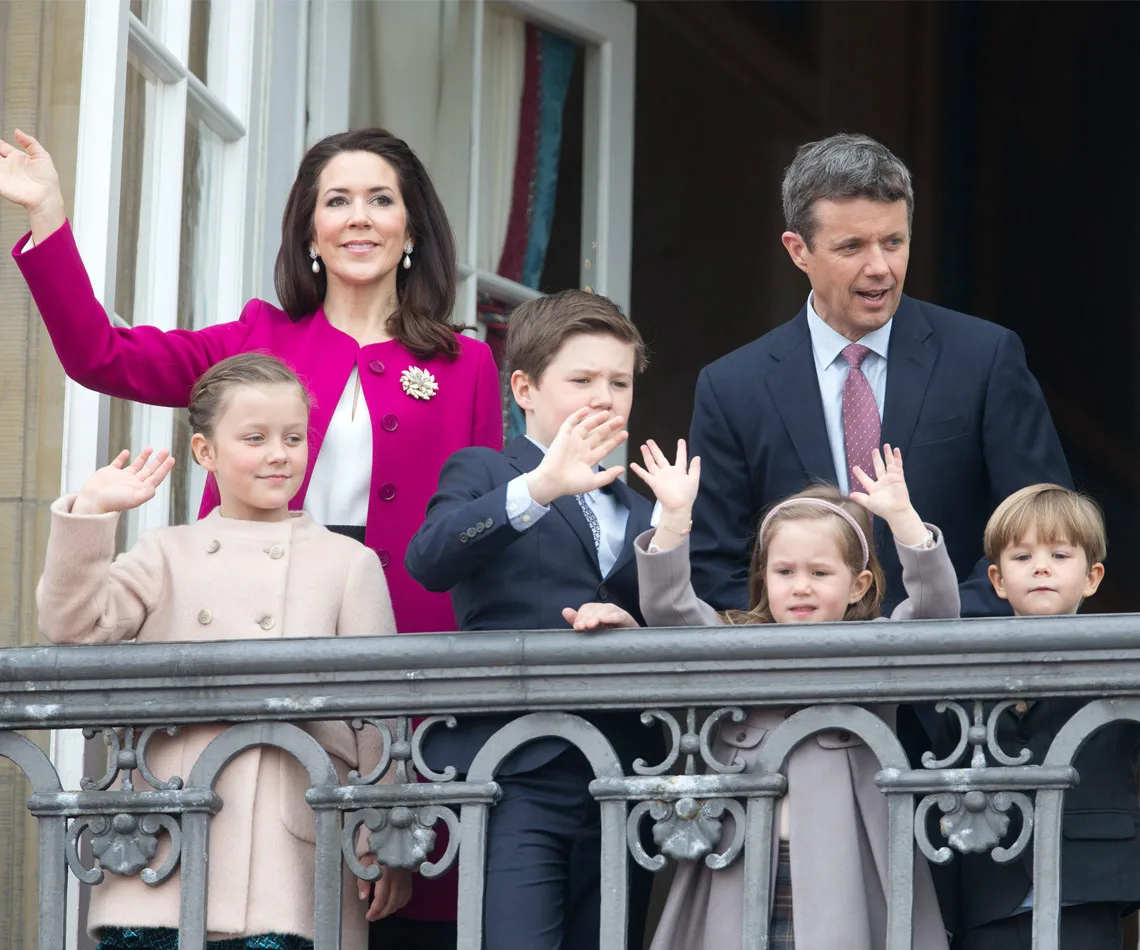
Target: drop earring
x,y
316,263
408,248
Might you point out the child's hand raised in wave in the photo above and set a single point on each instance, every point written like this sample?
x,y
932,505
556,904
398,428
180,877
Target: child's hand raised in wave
x,y
675,486
887,496
584,439
121,487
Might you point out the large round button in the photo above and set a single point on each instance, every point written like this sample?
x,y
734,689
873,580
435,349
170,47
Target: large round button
x,y
204,617
385,557
276,552
213,546
376,366
389,423
603,592
387,491
266,623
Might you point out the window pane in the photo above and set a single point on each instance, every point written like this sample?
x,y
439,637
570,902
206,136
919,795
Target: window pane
x,y
199,37
530,189
412,64
196,290
139,108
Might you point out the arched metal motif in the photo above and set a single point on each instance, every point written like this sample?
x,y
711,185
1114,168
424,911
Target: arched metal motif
x,y
449,773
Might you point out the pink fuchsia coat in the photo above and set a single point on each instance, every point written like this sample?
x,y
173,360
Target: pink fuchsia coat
x,y
411,438
224,579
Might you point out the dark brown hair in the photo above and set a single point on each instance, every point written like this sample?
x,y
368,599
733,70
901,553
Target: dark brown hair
x,y
538,328
426,292
868,607
209,396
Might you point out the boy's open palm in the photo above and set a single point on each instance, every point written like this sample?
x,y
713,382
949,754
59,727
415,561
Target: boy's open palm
x,y
121,487
27,174
568,468
676,484
885,493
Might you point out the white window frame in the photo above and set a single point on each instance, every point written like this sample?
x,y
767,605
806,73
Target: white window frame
x,y
112,36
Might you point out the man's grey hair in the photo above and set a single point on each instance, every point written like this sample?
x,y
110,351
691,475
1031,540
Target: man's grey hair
x,y
842,166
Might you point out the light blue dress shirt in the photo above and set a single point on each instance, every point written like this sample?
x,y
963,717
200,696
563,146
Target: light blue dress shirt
x,y
524,512
831,370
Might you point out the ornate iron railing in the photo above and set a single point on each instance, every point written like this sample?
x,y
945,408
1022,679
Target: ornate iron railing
x,y
124,694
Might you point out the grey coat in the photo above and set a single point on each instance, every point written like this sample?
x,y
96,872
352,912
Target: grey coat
x,y
838,818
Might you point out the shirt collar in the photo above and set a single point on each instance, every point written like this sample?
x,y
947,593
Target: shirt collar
x,y
827,343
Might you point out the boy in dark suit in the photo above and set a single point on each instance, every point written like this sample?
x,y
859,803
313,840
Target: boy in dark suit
x,y
1046,545
536,537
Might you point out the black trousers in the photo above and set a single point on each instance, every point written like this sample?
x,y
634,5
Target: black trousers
x,y
544,863
1083,927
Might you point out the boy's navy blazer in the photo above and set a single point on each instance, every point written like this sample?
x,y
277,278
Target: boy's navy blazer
x,y
503,579
961,404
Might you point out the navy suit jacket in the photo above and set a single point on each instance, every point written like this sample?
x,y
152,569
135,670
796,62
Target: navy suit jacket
x,y
961,404
503,579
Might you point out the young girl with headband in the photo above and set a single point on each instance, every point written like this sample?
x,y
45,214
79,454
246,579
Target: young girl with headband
x,y
251,569
814,561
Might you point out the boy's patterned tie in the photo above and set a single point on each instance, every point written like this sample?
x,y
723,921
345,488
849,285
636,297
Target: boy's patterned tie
x,y
861,425
592,521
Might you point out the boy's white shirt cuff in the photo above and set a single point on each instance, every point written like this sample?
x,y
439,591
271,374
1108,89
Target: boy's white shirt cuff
x,y
522,510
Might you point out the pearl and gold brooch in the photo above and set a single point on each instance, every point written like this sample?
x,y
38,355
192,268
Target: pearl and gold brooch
x,y
418,383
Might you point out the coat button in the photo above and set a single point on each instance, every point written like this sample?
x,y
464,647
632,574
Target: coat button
x,y
603,592
213,547
389,423
844,736
376,366
741,736
387,491
204,617
489,523
462,537
471,532
276,552
266,623
385,557
480,528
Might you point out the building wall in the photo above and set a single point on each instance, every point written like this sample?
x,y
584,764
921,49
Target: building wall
x,y
41,46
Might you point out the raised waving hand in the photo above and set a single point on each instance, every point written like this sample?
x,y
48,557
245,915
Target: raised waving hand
x,y
121,487
675,484
28,178
584,439
885,494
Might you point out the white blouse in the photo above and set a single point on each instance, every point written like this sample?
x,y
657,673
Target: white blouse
x,y
342,476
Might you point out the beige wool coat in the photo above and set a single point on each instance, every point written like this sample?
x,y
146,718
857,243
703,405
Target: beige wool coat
x,y
836,816
224,579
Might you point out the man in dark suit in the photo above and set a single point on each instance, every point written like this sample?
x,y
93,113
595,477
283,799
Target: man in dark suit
x,y
536,537
860,365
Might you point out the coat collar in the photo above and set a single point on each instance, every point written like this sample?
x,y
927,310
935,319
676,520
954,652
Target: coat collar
x,y
297,527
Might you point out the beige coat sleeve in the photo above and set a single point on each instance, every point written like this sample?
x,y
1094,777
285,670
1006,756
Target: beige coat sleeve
x,y
86,594
666,593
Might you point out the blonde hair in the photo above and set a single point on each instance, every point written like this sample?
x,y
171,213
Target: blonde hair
x,y
851,548
210,394
1056,514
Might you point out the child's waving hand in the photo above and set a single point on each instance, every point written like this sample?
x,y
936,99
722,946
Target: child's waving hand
x,y
675,485
886,495
121,487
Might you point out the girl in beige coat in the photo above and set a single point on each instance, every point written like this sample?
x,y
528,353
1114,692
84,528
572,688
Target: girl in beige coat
x,y
250,570
813,562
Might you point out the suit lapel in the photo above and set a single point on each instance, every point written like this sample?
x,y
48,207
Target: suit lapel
x,y
525,457
794,386
910,363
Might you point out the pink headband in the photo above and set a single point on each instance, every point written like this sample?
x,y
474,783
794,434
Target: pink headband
x,y
821,503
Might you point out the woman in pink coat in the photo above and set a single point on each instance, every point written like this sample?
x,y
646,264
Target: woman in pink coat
x,y
366,275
